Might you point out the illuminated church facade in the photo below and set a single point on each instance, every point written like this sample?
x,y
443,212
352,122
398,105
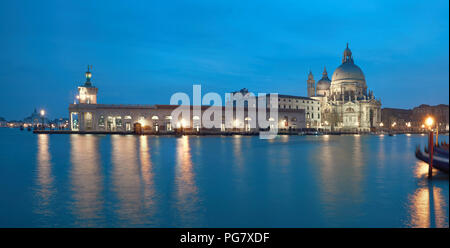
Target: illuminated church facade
x,y
346,104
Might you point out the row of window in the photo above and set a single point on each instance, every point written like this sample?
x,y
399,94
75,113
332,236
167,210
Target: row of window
x,y
312,116
303,101
296,107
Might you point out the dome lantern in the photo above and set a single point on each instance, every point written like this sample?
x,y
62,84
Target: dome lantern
x,y
348,78
88,76
347,58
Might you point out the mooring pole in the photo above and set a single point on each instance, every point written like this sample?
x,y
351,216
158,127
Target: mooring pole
x,y
430,153
437,133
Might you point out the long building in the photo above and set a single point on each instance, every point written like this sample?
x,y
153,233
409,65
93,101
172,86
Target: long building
x,y
87,115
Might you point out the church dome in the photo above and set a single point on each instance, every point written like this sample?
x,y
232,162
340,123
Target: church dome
x,y
348,71
324,83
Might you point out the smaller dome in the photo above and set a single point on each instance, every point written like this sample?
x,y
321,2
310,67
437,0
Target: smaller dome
x,y
324,83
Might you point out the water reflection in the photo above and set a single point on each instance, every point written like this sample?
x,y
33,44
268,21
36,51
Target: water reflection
x,y
126,180
381,150
340,176
147,176
427,205
237,151
327,171
45,189
238,164
186,190
86,180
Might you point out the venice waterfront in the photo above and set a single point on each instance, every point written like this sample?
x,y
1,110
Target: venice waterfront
x,y
239,181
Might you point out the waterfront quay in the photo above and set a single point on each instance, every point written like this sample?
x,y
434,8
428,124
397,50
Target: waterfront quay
x,y
227,133
173,133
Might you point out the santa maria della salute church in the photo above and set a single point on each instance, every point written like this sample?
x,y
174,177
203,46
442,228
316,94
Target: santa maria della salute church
x,y
345,102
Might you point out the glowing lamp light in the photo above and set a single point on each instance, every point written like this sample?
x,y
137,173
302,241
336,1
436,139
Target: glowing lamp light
x,y
236,123
423,126
42,112
142,121
183,123
381,124
429,121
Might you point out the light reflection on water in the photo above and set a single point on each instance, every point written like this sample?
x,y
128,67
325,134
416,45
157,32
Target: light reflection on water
x,y
341,179
147,175
428,207
86,180
187,192
126,180
45,189
292,181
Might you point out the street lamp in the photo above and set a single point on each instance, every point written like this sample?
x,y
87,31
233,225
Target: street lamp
x,y
429,122
42,116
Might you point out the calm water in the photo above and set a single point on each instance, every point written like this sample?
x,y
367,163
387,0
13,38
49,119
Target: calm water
x,y
292,181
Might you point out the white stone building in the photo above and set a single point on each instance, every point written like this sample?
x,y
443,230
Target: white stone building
x,y
86,115
309,105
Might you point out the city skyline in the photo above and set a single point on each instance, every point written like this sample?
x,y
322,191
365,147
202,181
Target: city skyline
x,y
144,53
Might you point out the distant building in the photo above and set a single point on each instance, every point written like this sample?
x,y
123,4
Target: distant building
x,y
395,118
34,119
3,122
14,123
439,112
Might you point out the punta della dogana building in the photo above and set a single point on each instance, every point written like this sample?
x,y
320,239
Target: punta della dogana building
x,y
87,115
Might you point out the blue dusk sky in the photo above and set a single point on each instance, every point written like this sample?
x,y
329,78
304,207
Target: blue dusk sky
x,y
144,51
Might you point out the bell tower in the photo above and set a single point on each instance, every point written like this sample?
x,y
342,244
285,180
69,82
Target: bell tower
x,y
87,94
311,85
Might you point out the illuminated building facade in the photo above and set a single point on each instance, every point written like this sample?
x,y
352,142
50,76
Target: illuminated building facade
x,y
346,103
89,116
